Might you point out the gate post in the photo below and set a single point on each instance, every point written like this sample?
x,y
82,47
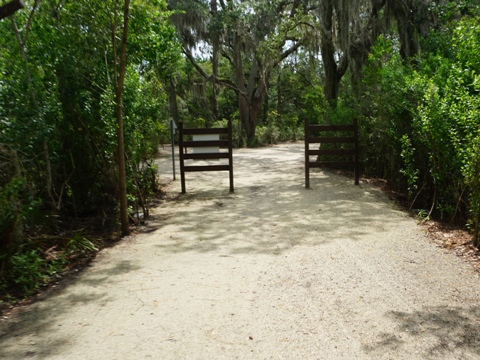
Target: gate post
x,y
182,164
356,157
307,157
230,154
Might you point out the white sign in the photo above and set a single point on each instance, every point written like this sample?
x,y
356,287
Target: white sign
x,y
209,149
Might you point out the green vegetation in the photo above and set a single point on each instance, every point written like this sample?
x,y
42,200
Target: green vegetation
x,y
409,71
59,69
421,119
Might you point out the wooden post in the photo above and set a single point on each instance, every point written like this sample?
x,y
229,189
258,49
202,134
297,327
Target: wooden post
x,y
173,126
307,157
182,164
230,154
356,160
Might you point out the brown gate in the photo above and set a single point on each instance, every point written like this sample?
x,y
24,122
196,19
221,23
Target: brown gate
x,y
184,144
319,134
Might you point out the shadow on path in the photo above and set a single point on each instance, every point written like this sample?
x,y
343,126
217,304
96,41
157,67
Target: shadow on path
x,y
447,329
40,319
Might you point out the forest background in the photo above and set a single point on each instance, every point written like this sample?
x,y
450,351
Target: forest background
x,y
77,106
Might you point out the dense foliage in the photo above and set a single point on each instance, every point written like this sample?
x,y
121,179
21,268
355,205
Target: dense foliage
x,y
58,70
409,71
421,121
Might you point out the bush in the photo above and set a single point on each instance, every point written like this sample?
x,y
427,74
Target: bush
x,y
423,123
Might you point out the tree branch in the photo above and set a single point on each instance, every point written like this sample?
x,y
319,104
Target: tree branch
x,y
228,57
28,24
342,66
194,63
226,83
287,53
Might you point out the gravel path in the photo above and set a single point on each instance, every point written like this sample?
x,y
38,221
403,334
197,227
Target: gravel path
x,y
273,271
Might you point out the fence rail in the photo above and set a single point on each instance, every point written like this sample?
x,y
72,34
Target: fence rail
x,y
184,144
311,130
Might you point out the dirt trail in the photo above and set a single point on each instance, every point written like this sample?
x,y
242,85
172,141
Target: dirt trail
x,y
273,271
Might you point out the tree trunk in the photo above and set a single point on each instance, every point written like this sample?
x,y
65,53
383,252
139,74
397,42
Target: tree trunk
x,y
333,72
255,110
22,44
122,175
243,101
279,93
215,51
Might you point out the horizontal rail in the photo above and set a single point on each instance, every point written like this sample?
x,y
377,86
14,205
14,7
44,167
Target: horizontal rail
x,y
340,152
331,140
220,143
322,164
319,132
331,127
210,131
199,155
206,168
206,156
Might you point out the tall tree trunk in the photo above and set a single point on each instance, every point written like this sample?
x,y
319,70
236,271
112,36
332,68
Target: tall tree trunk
x,y
333,72
255,111
243,103
279,93
215,51
22,44
406,29
122,175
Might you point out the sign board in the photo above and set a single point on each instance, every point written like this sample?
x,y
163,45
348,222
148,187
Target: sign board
x,y
206,150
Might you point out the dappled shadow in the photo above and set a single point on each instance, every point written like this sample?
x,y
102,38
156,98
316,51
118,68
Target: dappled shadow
x,y
36,327
269,199
448,330
122,267
269,213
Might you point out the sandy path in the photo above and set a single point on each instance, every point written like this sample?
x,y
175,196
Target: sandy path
x,y
273,271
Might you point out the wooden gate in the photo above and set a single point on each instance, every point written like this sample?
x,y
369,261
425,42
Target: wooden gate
x,y
318,134
198,145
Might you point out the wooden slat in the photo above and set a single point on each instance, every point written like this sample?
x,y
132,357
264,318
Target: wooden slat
x,y
331,140
336,164
230,157
207,168
339,152
331,127
321,138
356,169
206,156
220,143
307,158
211,131
181,150
199,156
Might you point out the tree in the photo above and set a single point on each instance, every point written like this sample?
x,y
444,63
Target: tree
x,y
61,87
254,36
349,28
119,86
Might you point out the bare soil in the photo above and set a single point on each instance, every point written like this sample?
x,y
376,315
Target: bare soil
x,y
272,271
